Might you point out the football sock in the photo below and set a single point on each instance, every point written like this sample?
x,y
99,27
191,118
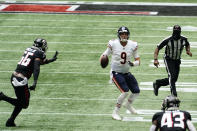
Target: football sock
x,y
15,113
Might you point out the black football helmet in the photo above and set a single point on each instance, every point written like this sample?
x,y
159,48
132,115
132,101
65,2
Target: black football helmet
x,y
123,29
170,101
41,44
176,32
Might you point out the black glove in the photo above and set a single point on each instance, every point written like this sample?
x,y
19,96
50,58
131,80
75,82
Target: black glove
x,y
33,86
47,61
130,63
55,56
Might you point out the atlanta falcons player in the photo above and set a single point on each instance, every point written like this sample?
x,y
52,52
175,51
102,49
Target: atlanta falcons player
x,y
122,50
171,118
29,64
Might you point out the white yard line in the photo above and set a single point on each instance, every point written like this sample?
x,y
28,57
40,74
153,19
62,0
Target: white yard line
x,y
94,21
85,35
78,28
127,117
94,73
70,35
184,63
178,84
79,52
82,43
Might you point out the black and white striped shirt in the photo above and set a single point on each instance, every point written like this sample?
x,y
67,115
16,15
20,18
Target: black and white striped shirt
x,y
174,48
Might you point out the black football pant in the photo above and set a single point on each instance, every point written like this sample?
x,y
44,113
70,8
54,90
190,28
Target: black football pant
x,y
172,68
22,101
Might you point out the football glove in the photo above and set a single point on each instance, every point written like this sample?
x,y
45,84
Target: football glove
x,y
33,87
130,63
47,61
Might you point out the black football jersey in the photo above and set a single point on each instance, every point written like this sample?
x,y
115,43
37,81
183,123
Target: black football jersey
x,y
26,64
172,120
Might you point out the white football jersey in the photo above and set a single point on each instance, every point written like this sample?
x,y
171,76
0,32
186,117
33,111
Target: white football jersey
x,y
121,55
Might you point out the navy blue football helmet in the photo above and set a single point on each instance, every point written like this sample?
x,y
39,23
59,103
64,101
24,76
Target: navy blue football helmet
x,y
121,30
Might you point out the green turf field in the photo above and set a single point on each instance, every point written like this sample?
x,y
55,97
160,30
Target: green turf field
x,y
73,93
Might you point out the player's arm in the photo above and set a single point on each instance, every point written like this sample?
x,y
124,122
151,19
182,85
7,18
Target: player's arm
x,y
156,53
107,52
190,126
187,48
153,126
36,72
54,58
136,58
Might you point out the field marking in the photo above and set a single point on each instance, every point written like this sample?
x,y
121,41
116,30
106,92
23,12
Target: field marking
x,y
178,84
72,8
140,117
76,52
184,63
194,29
94,73
3,7
79,52
66,35
193,44
100,99
79,28
95,21
141,44
88,35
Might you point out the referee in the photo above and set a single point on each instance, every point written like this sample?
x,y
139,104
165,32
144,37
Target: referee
x,y
173,48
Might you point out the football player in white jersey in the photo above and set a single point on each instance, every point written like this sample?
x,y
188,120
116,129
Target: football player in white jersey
x,y
122,50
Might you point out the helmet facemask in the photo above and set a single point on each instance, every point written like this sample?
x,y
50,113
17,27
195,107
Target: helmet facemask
x,y
170,102
123,34
44,45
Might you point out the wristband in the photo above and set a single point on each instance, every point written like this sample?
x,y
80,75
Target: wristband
x,y
136,63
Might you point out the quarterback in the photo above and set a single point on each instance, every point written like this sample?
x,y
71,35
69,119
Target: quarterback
x,y
122,51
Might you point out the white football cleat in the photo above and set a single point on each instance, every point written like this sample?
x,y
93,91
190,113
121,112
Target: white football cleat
x,y
116,116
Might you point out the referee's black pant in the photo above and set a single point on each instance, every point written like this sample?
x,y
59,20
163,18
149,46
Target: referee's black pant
x,y
172,68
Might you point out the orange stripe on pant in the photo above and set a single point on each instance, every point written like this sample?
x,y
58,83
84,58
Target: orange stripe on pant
x,y
116,83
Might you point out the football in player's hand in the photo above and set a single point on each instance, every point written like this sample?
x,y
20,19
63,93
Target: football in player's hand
x,y
104,61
